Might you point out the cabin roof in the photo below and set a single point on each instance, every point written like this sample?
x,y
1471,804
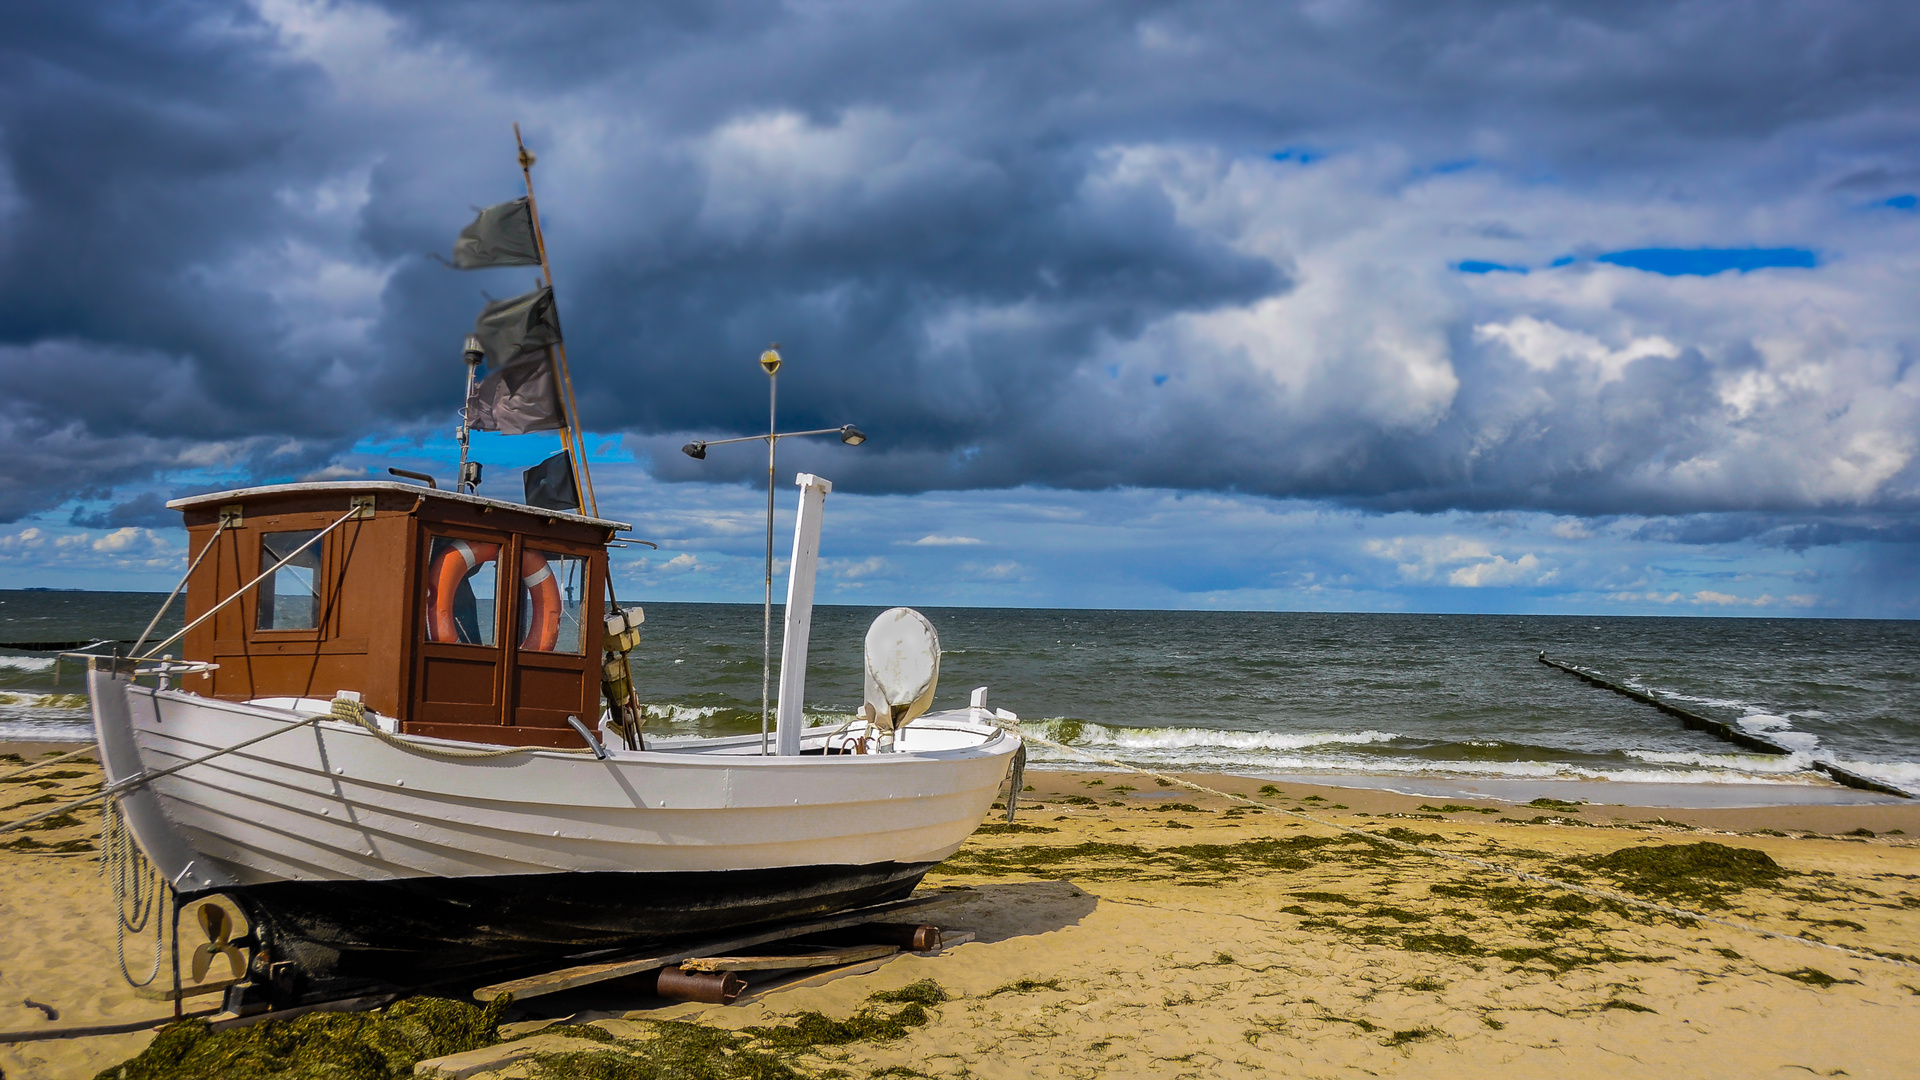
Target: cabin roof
x,y
363,487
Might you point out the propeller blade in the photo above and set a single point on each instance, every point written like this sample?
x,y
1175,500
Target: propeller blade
x,y
215,923
235,960
202,962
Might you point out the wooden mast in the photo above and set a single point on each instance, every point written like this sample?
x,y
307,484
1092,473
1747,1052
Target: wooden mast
x,y
569,430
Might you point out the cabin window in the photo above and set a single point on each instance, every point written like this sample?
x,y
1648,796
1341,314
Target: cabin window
x,y
551,593
461,587
290,595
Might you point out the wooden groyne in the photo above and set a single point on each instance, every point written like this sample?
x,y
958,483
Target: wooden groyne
x,y
1723,730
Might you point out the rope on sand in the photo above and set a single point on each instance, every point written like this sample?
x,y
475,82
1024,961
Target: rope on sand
x,y
1481,864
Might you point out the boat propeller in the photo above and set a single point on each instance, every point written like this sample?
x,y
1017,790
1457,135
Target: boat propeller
x,y
218,925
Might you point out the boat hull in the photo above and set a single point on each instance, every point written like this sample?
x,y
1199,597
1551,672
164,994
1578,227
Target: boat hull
x,y
401,930
356,857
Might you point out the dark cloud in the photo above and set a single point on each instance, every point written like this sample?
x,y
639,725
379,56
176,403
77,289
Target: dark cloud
x,y
1018,243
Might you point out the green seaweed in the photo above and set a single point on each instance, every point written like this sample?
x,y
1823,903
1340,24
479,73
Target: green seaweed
x,y
1445,944
1626,1006
1026,986
317,1046
923,992
1813,977
1702,872
1003,828
1184,806
1269,790
1556,804
1413,1035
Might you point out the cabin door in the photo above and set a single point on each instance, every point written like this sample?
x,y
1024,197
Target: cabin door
x,y
462,667
549,678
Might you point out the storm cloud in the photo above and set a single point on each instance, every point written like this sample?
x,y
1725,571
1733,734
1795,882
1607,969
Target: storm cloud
x,y
1392,255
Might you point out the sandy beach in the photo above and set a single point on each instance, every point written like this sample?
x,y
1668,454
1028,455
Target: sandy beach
x,y
1125,928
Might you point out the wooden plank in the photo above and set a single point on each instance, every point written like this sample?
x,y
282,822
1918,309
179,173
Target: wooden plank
x,y
586,974
789,962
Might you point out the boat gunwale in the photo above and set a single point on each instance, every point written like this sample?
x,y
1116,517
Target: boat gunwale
x,y
991,735
348,487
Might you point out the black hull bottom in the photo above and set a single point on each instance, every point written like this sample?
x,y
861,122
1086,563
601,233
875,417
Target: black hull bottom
x,y
417,931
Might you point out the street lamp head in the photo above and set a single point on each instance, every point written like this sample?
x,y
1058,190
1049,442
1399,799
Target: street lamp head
x,y
770,360
852,436
474,353
697,450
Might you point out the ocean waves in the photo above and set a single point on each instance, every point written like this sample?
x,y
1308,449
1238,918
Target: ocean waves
x,y
1382,753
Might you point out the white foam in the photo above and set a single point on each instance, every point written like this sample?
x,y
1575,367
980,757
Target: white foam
x,y
26,663
1759,722
1747,763
45,731
676,714
1184,738
1904,774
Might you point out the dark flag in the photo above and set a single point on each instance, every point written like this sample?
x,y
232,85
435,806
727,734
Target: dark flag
x,y
501,236
550,484
516,399
516,329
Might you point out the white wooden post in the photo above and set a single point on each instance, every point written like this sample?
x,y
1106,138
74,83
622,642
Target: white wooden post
x,y
790,717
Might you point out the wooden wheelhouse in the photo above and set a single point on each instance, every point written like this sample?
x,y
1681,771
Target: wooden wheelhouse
x,y
461,617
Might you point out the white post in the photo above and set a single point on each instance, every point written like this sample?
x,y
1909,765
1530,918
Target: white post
x,y
790,717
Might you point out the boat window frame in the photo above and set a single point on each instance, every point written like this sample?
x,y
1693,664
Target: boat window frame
x,y
502,603
328,581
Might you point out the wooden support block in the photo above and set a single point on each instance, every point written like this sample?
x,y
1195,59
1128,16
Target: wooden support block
x,y
829,958
587,974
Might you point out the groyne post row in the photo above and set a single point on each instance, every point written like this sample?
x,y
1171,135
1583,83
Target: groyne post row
x,y
1724,730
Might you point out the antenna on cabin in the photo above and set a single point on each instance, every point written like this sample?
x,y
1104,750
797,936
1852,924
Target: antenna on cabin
x,y
468,479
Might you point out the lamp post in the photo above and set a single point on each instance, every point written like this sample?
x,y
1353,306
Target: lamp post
x,y
770,363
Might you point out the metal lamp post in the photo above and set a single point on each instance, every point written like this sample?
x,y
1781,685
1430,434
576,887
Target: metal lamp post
x,y
770,363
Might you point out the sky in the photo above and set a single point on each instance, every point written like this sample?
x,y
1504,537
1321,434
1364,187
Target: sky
x,y
1596,308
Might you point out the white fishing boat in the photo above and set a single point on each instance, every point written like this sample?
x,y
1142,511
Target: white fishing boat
x,y
400,738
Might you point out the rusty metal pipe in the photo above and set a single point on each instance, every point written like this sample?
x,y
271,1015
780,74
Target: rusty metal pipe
x,y
916,936
712,987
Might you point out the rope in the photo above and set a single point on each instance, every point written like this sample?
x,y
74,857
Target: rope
x,y
248,587
114,791
184,578
1481,864
136,889
87,749
356,713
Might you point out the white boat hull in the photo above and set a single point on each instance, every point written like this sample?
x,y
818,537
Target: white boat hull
x,y
360,856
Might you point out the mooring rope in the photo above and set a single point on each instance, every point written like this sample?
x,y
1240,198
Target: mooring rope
x,y
184,578
83,751
137,891
356,713
1481,864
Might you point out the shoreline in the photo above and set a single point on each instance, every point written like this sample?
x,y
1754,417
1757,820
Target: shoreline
x,y
1698,795
1125,924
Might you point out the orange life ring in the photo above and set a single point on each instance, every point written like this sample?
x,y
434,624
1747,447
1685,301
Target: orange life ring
x,y
444,578
459,559
543,630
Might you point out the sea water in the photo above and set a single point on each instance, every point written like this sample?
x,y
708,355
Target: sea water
x,y
1333,696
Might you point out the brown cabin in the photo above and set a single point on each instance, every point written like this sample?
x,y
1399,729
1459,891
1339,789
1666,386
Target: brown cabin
x,y
464,617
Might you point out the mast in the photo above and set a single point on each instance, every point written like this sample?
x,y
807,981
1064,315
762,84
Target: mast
x,y
569,431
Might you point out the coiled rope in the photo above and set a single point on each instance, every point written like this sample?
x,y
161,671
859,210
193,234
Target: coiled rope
x,y
355,712
1480,864
137,893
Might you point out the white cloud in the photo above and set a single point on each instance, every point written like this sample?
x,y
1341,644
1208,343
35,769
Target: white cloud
x,y
937,540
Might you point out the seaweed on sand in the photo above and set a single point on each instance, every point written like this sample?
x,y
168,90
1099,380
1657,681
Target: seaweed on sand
x,y
375,1045
679,1050
1703,872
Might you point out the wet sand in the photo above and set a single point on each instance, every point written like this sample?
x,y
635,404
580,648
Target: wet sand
x,y
1159,932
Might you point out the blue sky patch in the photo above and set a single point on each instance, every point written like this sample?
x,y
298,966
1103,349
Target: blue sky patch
x,y
1159,380
1477,266
1705,262
1902,202
1298,153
